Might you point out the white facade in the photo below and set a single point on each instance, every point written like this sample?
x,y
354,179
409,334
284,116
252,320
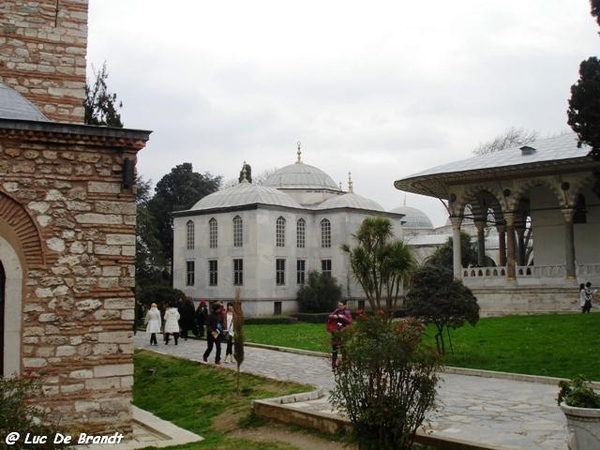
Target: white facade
x,y
266,238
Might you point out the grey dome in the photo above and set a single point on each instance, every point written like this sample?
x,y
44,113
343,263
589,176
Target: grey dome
x,y
350,200
245,193
300,176
14,106
413,218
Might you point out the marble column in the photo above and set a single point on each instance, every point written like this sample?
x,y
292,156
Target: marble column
x,y
569,243
456,250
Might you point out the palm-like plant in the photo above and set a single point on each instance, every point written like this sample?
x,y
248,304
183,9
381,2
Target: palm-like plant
x,y
380,263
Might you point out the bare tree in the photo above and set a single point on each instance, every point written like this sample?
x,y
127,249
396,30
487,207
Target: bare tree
x,y
513,137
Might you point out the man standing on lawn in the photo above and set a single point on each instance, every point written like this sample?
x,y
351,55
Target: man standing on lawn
x,y
336,322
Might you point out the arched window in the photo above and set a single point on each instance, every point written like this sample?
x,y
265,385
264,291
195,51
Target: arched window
x,y
325,233
189,227
300,233
213,233
238,228
280,232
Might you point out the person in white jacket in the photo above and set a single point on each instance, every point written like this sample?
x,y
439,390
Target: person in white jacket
x,y
153,323
171,323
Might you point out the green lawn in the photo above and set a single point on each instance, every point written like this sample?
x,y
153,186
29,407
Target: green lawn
x,y
559,345
203,398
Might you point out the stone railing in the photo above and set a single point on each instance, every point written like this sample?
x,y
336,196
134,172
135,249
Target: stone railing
x,y
484,272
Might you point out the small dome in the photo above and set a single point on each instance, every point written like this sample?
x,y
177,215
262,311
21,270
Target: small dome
x,y
14,106
350,200
245,193
413,218
301,176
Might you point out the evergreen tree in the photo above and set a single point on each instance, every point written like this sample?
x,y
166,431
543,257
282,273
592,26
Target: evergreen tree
x,y
178,190
584,104
101,106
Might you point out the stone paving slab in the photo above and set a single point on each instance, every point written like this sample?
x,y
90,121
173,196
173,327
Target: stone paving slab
x,y
495,410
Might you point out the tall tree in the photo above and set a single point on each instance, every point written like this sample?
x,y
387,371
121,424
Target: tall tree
x,y
513,137
584,105
101,106
178,190
148,256
380,263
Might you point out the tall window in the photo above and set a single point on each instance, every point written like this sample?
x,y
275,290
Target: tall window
x,y
238,228
190,273
300,271
280,232
326,266
213,272
213,233
300,233
189,228
238,272
325,233
280,271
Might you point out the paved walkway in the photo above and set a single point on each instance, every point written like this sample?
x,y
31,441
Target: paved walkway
x,y
493,410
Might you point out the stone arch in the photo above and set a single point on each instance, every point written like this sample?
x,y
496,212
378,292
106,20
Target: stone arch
x,y
10,352
18,222
526,186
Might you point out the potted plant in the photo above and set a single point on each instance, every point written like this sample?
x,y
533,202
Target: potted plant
x,y
580,404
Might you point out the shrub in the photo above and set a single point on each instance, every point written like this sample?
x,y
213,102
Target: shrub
x,y
321,293
18,415
578,392
436,297
386,381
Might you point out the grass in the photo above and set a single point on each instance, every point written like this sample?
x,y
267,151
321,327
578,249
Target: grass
x,y
203,399
557,345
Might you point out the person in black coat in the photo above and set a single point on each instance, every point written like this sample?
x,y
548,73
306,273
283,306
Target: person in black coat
x,y
188,318
214,328
201,316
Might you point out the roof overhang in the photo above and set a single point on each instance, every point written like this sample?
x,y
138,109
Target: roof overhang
x,y
438,184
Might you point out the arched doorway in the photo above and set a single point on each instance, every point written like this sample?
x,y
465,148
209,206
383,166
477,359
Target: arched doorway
x,y
2,296
11,292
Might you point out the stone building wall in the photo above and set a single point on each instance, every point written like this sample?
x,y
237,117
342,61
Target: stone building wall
x,y
70,219
43,47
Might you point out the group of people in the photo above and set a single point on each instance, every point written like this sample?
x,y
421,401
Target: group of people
x,y
586,295
218,324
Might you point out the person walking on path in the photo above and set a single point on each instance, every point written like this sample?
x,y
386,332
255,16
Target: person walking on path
x,y
201,316
228,333
153,323
339,319
585,301
187,321
171,323
214,327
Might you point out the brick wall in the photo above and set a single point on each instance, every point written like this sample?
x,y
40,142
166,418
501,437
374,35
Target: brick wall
x,y
64,208
43,48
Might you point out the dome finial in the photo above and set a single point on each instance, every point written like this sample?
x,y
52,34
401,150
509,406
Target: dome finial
x,y
299,152
244,177
350,183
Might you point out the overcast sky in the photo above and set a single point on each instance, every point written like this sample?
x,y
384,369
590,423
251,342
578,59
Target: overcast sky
x,y
381,88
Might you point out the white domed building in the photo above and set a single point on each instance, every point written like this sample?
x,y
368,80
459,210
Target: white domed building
x,y
264,239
